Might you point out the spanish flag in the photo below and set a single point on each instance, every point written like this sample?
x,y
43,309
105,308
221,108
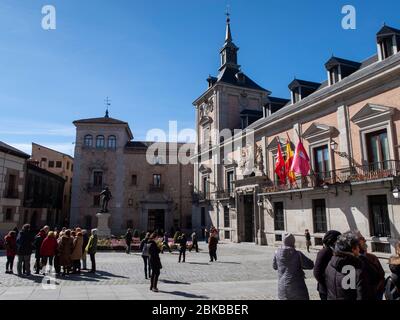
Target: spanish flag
x,y
288,164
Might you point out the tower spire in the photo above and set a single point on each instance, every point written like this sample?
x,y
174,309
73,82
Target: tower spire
x,y
228,35
107,101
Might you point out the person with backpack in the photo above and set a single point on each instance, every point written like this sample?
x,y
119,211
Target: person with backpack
x,y
392,283
128,240
10,242
144,248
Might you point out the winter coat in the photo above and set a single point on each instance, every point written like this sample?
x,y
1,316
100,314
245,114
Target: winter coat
x,y
323,258
65,247
182,240
212,243
334,278
154,251
143,243
11,245
24,243
77,248
37,244
392,284
128,237
91,247
375,275
290,264
49,247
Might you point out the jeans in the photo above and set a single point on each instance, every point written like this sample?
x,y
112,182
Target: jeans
x,y
26,260
93,261
84,260
57,267
213,255
146,266
154,279
182,252
10,263
38,265
128,247
76,266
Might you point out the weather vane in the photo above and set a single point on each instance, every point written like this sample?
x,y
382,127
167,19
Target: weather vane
x,y
107,102
227,11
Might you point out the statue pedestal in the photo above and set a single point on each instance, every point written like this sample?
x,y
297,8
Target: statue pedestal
x,y
103,230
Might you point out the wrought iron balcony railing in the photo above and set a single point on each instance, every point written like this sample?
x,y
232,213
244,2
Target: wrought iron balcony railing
x,y
363,173
224,194
156,188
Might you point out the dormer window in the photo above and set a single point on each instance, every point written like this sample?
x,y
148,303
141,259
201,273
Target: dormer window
x,y
388,41
301,89
334,75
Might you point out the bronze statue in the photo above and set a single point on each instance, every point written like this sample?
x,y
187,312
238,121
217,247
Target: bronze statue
x,y
105,197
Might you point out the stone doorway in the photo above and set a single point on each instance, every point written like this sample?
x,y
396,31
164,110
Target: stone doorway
x,y
156,220
248,218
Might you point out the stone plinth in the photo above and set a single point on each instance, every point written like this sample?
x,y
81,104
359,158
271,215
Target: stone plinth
x,y
103,230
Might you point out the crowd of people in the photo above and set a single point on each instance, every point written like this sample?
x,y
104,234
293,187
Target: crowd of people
x,y
344,270
63,250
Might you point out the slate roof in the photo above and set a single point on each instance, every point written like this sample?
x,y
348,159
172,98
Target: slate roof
x,y
4,147
334,61
102,120
228,75
387,31
303,83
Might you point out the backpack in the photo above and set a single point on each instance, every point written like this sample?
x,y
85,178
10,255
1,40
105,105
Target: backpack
x,y
145,250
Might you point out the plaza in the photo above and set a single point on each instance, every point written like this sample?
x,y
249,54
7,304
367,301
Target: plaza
x,y
243,272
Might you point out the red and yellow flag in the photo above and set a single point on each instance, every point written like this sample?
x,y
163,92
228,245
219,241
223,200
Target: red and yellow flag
x,y
288,164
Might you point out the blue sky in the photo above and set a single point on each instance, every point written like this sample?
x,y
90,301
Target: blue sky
x,y
152,57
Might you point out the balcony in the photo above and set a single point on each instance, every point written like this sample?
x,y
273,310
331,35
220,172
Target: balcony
x,y
11,194
354,175
224,194
153,188
199,196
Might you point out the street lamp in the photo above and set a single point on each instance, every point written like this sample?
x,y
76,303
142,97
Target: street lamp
x,y
396,193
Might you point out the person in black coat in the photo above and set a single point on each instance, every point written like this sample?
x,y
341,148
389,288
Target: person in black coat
x,y
128,240
182,240
155,262
392,283
37,244
345,263
24,250
323,258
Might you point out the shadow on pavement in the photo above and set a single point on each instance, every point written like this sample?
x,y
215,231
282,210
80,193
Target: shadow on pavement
x,y
174,282
200,263
185,294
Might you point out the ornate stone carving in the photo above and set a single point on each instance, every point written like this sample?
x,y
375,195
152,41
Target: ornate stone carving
x,y
246,163
259,159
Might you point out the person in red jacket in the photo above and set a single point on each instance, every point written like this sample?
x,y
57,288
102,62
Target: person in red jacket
x,y
11,250
48,250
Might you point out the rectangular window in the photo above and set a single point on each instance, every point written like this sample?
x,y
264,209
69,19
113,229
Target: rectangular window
x,y
58,164
11,190
378,149
203,217
226,217
97,178
296,95
67,165
205,186
8,216
157,180
321,163
319,216
134,180
51,164
44,160
279,218
387,48
334,74
229,181
379,216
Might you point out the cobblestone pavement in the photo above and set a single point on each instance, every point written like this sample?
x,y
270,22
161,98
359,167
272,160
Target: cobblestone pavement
x,y
243,271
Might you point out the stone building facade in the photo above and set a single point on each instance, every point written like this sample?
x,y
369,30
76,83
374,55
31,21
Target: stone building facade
x,y
149,193
12,181
349,125
60,164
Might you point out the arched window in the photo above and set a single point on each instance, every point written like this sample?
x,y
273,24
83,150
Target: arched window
x,y
100,142
88,141
112,142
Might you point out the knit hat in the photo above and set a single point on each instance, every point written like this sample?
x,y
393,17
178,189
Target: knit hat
x,y
289,240
330,238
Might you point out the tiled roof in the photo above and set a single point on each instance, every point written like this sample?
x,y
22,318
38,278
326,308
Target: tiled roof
x,y
102,120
